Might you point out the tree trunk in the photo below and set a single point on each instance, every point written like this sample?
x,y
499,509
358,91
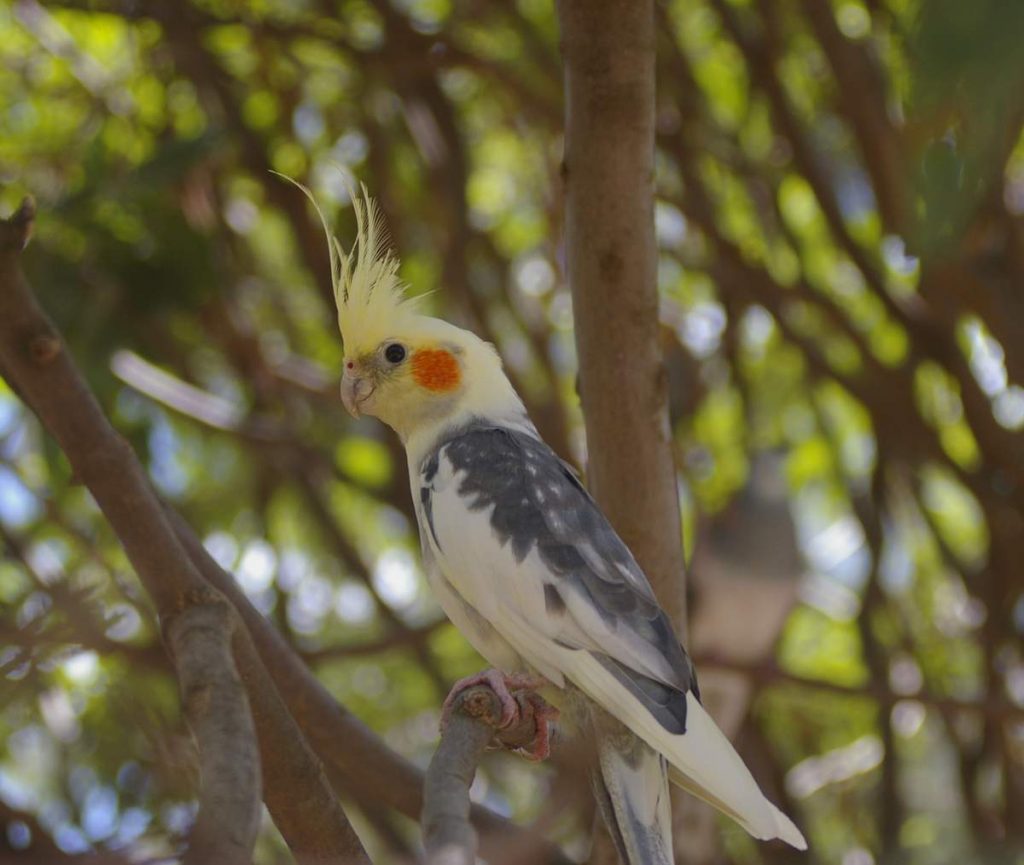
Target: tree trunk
x,y
608,50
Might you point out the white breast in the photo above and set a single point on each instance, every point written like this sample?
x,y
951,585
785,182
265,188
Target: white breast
x,y
473,570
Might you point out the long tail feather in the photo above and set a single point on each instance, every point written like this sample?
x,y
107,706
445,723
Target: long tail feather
x,y
702,760
631,787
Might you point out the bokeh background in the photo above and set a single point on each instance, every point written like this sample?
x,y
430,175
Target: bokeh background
x,y
840,220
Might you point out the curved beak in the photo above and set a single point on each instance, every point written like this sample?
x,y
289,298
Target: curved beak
x,y
354,391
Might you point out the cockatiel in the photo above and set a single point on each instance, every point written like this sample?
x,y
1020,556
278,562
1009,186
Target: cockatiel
x,y
525,564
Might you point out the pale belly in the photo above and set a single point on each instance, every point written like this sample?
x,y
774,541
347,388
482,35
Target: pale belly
x,y
493,600
470,623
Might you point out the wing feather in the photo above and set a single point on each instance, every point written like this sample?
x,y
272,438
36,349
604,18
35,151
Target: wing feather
x,y
537,507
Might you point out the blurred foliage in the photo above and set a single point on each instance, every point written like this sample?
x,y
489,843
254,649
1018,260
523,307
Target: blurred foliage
x,y
841,190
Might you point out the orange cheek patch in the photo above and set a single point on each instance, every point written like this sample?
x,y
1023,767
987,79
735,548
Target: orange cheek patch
x,y
436,369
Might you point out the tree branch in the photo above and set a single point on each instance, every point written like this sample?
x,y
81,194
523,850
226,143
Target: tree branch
x,y
764,674
448,836
862,97
34,359
608,47
218,715
368,769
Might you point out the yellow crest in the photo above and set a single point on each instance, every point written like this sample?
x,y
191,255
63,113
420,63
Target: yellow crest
x,y
371,299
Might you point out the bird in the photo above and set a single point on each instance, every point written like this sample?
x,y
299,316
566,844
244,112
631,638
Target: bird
x,y
525,564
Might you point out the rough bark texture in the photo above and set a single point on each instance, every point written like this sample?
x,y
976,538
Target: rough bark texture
x,y
473,724
218,714
608,47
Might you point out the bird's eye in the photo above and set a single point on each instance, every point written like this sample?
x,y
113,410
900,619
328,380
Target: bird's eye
x,y
394,353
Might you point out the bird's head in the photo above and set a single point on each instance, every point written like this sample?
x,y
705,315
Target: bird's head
x,y
416,373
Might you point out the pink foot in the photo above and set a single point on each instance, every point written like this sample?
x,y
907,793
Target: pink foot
x,y
501,683
513,711
543,714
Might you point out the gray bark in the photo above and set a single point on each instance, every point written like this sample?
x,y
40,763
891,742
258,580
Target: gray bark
x,y
473,724
218,715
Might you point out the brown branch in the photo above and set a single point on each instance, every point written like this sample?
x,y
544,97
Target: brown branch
x,y
771,674
395,639
218,714
300,799
368,769
862,98
608,48
34,359
448,836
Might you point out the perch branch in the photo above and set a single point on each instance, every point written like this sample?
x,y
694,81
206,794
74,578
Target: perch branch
x,y
448,835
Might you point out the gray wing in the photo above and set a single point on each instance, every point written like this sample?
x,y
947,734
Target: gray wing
x,y
536,502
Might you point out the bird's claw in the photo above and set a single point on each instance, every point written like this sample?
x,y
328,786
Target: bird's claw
x,y
497,682
513,711
543,714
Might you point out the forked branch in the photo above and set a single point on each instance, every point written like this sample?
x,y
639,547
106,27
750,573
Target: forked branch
x,y
34,360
